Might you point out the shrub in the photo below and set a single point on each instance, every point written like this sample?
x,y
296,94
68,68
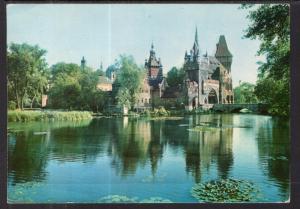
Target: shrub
x,y
24,116
11,105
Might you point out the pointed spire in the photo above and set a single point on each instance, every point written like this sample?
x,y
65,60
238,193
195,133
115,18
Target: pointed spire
x,y
223,54
222,49
152,52
195,54
196,36
83,62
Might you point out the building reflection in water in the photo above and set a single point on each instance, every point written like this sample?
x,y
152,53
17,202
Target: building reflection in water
x,y
207,147
131,144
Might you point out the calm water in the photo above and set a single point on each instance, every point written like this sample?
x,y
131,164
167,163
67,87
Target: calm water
x,y
139,158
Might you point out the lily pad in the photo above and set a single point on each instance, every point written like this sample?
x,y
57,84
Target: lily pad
x,y
117,199
225,190
156,200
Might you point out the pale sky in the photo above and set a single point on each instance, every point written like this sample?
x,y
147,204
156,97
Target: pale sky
x,y
101,32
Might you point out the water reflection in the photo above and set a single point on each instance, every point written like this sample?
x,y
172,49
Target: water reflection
x,y
207,147
131,145
274,153
27,160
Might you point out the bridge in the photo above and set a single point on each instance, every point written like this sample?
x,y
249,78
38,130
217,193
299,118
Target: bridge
x,y
257,108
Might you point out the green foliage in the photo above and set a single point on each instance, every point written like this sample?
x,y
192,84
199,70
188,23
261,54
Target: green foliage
x,y
244,93
100,72
12,105
225,190
74,88
270,23
27,73
128,81
25,116
276,93
175,77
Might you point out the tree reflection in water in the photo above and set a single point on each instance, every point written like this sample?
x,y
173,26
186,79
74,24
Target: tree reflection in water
x,y
129,145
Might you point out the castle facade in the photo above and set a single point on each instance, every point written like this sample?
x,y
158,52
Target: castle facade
x,y
207,80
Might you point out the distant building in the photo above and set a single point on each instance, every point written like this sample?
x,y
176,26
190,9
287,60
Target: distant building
x,y
104,83
111,72
83,63
154,68
143,100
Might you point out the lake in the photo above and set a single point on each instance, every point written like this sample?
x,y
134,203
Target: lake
x,y
143,160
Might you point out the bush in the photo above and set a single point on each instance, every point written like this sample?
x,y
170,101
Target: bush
x,y
25,116
12,105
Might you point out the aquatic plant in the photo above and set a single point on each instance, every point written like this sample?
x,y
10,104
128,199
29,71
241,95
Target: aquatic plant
x,y
117,199
156,200
125,199
23,192
225,190
166,118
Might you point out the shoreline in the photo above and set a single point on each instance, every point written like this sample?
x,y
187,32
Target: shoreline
x,y
59,115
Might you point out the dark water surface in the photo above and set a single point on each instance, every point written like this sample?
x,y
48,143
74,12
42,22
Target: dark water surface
x,y
139,158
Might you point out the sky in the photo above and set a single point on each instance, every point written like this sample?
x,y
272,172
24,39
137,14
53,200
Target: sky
x,y
102,32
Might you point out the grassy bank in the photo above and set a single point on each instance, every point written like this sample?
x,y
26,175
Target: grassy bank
x,y
37,115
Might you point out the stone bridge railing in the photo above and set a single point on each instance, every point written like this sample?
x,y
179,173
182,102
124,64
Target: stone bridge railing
x,y
258,108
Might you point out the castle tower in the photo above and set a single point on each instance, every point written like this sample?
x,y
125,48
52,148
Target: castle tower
x,y
195,50
154,67
83,62
223,54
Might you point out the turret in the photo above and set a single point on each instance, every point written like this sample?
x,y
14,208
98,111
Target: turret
x,y
83,62
223,54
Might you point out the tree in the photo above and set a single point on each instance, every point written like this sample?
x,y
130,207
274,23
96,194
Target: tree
x,y
175,77
128,81
270,24
244,93
27,72
75,88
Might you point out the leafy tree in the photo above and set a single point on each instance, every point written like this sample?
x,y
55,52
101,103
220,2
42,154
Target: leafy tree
x,y
27,73
75,88
175,77
244,93
128,81
270,24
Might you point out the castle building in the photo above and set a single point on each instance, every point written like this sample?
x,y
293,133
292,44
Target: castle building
x,y
154,68
208,78
155,79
